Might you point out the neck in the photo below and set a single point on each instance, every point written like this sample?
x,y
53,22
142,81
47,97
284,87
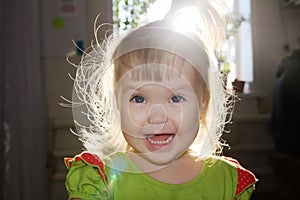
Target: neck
x,y
181,170
143,164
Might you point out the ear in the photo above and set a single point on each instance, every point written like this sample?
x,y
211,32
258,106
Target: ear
x,y
118,103
117,98
203,109
204,104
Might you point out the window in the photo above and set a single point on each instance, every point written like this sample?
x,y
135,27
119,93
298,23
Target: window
x,y
242,41
237,50
128,14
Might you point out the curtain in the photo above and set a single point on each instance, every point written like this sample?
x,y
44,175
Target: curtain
x,y
22,114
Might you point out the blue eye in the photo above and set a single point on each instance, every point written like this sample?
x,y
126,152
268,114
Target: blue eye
x,y
177,99
138,99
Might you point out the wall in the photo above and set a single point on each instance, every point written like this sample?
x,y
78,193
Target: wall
x,y
57,43
274,27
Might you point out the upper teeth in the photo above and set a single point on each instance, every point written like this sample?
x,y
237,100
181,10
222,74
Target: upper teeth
x,y
168,140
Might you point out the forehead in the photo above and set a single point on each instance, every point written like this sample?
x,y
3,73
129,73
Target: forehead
x,y
154,65
155,44
153,74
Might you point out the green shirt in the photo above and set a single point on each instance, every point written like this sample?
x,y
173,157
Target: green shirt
x,y
218,179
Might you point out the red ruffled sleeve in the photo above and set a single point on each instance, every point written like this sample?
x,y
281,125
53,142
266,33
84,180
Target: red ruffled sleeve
x,y
90,159
246,178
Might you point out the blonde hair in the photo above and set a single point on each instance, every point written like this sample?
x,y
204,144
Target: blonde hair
x,y
95,107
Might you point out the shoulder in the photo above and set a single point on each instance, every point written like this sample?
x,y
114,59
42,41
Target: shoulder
x,y
86,178
245,179
87,158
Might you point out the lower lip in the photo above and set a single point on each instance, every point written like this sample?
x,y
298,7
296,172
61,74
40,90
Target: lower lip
x,y
158,146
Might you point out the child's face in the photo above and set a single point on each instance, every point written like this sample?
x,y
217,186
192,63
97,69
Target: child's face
x,y
160,119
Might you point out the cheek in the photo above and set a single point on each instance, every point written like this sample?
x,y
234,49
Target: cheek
x,y
132,117
190,117
186,117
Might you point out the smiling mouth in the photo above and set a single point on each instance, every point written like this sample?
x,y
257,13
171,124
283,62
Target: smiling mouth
x,y
160,139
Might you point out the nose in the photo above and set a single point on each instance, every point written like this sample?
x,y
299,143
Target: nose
x,y
157,114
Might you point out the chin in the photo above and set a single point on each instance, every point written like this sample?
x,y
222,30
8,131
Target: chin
x,y
162,158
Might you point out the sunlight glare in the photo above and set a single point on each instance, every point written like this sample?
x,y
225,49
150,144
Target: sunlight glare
x,y
187,19
158,10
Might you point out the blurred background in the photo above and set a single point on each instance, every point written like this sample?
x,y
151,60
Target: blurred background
x,y
38,36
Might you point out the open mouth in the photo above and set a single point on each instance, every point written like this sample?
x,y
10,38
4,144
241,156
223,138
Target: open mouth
x,y
160,139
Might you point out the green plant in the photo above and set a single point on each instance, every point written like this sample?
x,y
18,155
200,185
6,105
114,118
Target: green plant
x,y
223,64
127,13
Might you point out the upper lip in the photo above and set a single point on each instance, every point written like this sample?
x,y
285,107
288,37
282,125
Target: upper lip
x,y
149,135
157,129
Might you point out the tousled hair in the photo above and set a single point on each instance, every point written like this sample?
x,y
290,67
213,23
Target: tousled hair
x,y
95,108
